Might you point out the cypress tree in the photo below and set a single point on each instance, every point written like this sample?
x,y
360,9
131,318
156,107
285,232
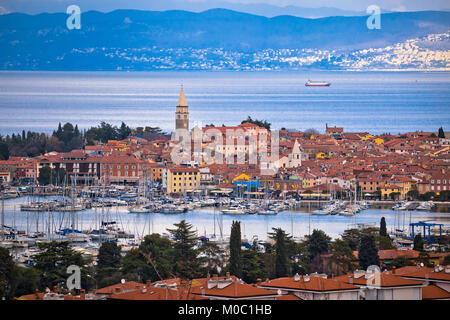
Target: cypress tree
x,y
368,253
235,249
441,133
418,242
281,253
383,230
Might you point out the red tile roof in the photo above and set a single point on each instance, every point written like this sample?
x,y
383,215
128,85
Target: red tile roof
x,y
315,283
379,280
235,289
434,293
157,293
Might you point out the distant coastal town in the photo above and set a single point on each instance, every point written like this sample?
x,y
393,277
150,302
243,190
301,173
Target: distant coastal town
x,y
246,169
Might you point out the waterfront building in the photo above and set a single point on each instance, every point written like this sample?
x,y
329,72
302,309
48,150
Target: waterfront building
x,y
182,179
121,169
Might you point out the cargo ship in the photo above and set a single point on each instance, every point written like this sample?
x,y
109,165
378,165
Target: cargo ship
x,y
310,83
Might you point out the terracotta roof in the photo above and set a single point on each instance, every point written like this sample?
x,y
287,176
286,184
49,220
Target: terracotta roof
x,y
183,169
394,253
434,293
288,297
129,285
157,293
429,273
315,283
379,280
235,289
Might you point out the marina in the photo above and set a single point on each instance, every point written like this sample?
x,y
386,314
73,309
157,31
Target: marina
x,y
212,217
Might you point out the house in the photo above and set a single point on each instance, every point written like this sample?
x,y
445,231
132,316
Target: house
x,y
123,287
149,292
383,286
439,276
334,131
121,169
231,288
182,179
312,287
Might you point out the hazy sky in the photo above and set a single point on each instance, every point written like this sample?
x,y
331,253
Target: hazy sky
x,y
34,6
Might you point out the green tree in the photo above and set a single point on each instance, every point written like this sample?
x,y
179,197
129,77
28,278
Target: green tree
x,y
44,175
441,133
235,264
187,266
400,262
413,194
318,242
383,230
8,274
160,254
124,131
108,264
418,242
281,252
253,267
4,151
53,260
368,253
213,256
342,256
28,281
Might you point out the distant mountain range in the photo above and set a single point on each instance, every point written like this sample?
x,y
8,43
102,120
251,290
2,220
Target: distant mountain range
x,y
261,8
43,41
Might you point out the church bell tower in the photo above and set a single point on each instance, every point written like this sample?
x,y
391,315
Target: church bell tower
x,y
182,113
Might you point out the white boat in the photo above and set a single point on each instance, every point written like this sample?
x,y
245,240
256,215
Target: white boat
x,y
320,212
140,209
310,83
268,212
234,210
426,206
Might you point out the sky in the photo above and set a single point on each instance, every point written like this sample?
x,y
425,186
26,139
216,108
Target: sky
x,y
33,6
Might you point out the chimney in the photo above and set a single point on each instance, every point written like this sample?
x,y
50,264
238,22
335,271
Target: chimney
x,y
258,281
148,283
393,270
82,294
117,290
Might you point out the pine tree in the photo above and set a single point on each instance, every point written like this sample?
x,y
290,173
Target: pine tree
x,y
187,265
383,230
368,253
235,249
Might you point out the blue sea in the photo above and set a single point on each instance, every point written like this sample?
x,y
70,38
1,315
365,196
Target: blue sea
x,y
375,102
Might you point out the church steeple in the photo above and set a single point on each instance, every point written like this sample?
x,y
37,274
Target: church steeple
x,y
182,112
